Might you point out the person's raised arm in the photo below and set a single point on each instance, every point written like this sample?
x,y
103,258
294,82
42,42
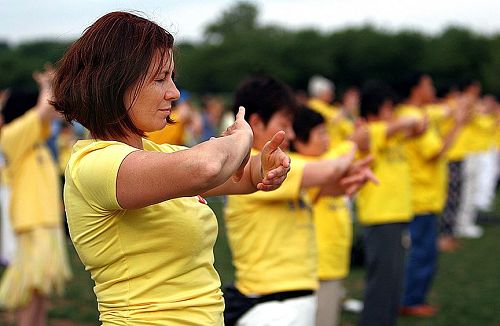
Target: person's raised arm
x,y
146,178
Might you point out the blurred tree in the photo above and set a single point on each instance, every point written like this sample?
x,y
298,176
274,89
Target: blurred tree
x,y
236,45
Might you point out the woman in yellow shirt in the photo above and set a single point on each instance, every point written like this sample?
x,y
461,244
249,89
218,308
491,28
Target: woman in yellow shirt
x,y
135,209
39,267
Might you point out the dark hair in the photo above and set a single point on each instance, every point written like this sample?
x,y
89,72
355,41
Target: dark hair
x,y
264,95
407,83
112,55
18,103
467,81
445,88
305,121
373,95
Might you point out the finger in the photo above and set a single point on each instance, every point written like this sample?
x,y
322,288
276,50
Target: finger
x,y
241,113
276,141
276,173
347,181
363,163
371,176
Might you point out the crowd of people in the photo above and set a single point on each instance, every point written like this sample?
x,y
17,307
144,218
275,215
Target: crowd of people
x,y
137,158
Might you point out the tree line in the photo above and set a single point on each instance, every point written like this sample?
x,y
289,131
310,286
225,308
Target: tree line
x,y
236,45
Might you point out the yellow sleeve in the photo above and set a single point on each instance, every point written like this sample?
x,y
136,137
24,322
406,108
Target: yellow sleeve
x,y
21,135
94,174
339,149
290,188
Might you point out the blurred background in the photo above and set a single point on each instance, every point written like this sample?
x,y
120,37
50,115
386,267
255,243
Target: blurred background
x,y
220,42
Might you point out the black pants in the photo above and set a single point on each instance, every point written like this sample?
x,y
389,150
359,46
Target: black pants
x,y
453,199
384,274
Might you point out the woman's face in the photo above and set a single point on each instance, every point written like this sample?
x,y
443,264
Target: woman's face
x,y
153,102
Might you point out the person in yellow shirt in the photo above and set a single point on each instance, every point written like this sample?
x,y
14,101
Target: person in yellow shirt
x,y
40,266
187,123
136,210
332,218
385,209
271,235
322,93
479,167
426,157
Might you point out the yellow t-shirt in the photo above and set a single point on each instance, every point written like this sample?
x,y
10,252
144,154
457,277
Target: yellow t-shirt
x,y
484,132
271,236
170,134
152,265
339,127
428,176
32,173
460,147
333,225
390,201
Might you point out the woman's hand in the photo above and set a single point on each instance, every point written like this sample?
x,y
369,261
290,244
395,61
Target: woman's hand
x,y
275,164
44,80
242,127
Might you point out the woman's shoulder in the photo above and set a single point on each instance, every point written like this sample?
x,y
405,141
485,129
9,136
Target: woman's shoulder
x,y
165,148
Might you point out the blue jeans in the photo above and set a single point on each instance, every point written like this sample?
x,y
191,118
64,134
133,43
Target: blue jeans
x,y
421,263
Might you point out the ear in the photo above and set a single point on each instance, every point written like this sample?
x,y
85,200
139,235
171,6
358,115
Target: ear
x,y
256,122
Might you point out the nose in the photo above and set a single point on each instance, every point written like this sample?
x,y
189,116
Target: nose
x,y
172,93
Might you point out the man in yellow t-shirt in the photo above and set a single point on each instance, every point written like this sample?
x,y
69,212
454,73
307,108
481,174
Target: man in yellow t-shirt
x,y
478,168
322,92
385,209
271,235
426,157
332,218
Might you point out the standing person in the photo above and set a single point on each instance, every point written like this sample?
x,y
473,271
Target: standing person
x,y
40,266
211,116
478,167
135,209
7,236
187,124
271,235
384,210
426,158
332,218
322,93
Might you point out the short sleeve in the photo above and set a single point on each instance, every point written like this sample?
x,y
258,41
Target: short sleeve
x,y
94,173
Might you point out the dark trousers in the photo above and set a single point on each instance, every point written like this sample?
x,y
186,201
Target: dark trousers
x,y
453,199
421,264
384,274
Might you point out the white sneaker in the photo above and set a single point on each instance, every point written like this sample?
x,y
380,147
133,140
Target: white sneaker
x,y
353,305
469,231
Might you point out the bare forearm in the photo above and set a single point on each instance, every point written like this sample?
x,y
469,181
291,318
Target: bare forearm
x,y
247,184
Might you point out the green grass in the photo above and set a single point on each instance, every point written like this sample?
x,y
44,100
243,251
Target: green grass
x,y
467,286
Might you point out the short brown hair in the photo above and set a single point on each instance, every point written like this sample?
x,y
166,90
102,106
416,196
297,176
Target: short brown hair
x,y
112,55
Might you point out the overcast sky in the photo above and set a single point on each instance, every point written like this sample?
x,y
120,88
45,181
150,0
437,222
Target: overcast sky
x,y
23,20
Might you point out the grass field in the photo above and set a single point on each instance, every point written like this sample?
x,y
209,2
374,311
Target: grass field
x,y
467,286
